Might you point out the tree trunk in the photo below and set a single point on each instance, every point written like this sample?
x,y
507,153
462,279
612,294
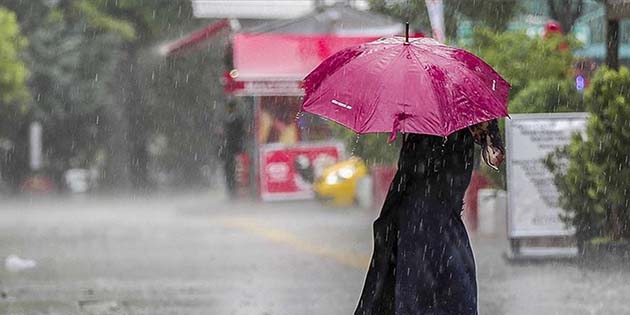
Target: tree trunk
x,y
116,175
15,165
612,44
136,116
566,12
127,153
615,224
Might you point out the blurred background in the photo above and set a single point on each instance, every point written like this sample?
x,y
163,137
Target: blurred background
x,y
154,159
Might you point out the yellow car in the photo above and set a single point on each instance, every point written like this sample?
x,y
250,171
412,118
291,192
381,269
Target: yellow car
x,y
338,182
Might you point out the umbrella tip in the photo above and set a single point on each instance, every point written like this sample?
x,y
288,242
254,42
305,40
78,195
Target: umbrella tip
x,y
407,32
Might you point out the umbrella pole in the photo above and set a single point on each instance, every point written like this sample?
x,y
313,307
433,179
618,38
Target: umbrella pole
x,y
406,33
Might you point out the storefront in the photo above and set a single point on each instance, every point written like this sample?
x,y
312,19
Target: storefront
x,y
291,149
269,61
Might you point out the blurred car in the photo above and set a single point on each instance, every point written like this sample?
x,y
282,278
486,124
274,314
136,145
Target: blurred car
x,y
338,182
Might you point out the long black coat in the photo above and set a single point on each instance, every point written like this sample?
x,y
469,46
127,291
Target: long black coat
x,y
423,263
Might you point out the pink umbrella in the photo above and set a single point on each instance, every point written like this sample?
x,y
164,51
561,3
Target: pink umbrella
x,y
405,85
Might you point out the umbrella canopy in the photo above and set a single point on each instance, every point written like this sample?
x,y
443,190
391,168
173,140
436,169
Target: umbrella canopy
x,y
412,86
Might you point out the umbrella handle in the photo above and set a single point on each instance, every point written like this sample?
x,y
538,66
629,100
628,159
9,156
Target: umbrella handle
x,y
396,126
395,129
406,33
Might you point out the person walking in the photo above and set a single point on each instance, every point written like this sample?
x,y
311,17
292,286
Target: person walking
x,y
443,99
232,146
422,261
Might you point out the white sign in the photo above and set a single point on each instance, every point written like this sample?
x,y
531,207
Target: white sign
x,y
533,208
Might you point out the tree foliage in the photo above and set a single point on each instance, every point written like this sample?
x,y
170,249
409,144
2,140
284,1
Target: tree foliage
x,y
69,79
185,113
521,59
13,72
595,182
495,14
14,100
135,20
140,25
548,96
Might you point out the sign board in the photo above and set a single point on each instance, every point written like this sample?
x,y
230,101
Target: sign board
x,y
287,172
533,209
258,9
269,88
252,9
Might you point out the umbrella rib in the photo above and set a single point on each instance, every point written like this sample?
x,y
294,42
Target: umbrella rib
x,y
413,53
360,56
479,81
476,76
468,74
354,68
381,87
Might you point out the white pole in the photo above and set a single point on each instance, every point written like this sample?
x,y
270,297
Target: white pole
x,y
35,145
436,16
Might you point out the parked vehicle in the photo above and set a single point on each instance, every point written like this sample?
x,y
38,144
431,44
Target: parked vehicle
x,y
338,182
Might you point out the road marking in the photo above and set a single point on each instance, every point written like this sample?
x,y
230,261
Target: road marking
x,y
251,226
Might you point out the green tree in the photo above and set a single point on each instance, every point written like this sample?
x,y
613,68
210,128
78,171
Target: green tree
x,y
521,59
13,72
14,100
141,25
70,76
594,183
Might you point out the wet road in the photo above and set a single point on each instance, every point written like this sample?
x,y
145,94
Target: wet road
x,y
197,254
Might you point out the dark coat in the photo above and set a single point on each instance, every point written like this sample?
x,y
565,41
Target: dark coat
x,y
234,134
423,263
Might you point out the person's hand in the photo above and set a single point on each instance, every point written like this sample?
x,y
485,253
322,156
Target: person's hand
x,y
492,156
487,135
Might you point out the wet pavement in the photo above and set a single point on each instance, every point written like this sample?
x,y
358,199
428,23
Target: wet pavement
x,y
198,254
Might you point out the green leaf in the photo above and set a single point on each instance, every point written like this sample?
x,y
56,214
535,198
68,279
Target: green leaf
x,y
13,73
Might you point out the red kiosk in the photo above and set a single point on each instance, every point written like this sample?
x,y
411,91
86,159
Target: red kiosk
x,y
292,150
269,60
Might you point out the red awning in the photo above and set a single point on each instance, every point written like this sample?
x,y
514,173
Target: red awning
x,y
285,57
196,38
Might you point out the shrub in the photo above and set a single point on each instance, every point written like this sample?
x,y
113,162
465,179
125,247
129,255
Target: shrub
x,y
548,96
595,183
